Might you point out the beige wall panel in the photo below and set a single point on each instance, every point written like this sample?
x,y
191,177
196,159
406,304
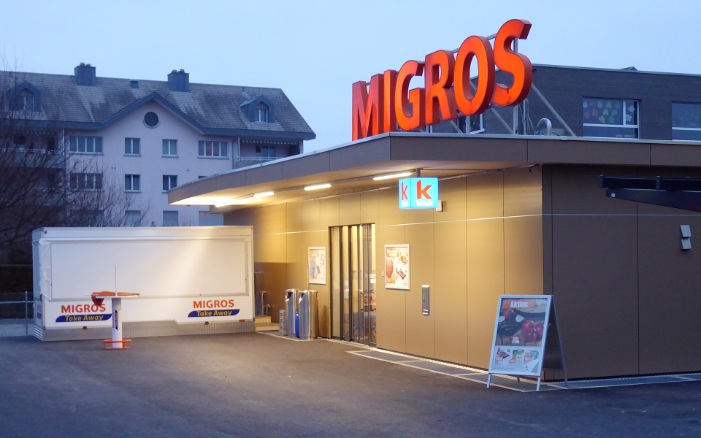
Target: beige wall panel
x,y
523,255
485,282
595,289
350,209
270,219
384,207
391,303
523,192
270,248
294,217
311,215
452,193
376,206
329,211
420,330
271,277
319,238
485,195
669,294
449,292
297,261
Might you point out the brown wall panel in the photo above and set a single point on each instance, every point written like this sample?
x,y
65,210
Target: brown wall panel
x,y
669,292
420,330
391,303
485,282
595,289
449,293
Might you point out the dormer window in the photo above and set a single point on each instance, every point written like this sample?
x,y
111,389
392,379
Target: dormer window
x,y
259,109
262,113
24,97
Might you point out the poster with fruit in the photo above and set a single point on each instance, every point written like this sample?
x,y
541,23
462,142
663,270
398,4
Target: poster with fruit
x,y
397,267
519,335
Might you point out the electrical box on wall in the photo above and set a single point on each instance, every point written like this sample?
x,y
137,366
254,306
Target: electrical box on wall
x,y
425,299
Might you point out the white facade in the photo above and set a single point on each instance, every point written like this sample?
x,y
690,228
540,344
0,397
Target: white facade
x,y
150,164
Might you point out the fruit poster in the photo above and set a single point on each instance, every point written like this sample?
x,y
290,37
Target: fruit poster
x,y
317,265
397,265
519,335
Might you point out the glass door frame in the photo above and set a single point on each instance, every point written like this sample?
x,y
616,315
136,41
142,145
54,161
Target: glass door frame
x,y
352,295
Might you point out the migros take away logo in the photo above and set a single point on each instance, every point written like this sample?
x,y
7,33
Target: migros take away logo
x,y
213,308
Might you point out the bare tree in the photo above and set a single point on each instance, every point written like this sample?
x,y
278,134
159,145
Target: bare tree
x,y
42,183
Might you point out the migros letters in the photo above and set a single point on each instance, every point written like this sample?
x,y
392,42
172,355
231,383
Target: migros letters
x,y
388,104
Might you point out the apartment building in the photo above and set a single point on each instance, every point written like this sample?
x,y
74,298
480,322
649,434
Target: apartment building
x,y
138,139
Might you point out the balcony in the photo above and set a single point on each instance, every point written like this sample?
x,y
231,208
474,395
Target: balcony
x,y
251,161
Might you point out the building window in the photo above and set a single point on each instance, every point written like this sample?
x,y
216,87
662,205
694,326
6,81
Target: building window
x,y
262,113
616,118
132,218
132,146
23,101
151,119
86,181
265,152
686,121
212,149
132,183
20,142
207,219
169,182
170,148
87,218
170,218
86,144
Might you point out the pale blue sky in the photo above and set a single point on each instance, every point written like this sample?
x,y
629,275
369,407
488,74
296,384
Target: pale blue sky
x,y
315,50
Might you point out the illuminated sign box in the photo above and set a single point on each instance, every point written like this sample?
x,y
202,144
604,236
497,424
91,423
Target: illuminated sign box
x,y
417,193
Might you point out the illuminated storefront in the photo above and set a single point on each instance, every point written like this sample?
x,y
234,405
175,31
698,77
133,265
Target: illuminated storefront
x,y
515,215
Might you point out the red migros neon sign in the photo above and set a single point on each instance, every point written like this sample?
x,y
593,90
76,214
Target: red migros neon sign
x,y
388,104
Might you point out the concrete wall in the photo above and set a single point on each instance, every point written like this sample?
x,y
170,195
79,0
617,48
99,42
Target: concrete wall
x,y
486,242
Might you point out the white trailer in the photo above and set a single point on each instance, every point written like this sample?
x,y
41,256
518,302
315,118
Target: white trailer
x,y
190,280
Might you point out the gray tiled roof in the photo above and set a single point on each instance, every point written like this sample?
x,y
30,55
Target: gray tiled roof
x,y
211,109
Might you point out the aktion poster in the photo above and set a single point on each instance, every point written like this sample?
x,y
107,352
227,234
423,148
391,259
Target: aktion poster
x,y
519,335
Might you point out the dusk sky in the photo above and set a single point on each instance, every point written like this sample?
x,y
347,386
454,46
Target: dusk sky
x,y
315,50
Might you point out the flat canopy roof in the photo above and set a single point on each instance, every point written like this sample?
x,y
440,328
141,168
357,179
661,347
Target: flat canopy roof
x,y
351,167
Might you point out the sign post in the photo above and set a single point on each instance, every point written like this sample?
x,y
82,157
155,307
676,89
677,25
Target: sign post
x,y
520,332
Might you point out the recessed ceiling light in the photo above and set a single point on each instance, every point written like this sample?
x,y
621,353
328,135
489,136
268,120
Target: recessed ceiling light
x,y
263,194
318,187
394,175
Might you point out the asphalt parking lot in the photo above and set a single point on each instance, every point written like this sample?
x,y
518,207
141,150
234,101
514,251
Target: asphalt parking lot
x,y
260,385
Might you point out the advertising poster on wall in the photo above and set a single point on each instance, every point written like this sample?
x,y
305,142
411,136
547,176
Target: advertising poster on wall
x,y
519,335
397,267
317,265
